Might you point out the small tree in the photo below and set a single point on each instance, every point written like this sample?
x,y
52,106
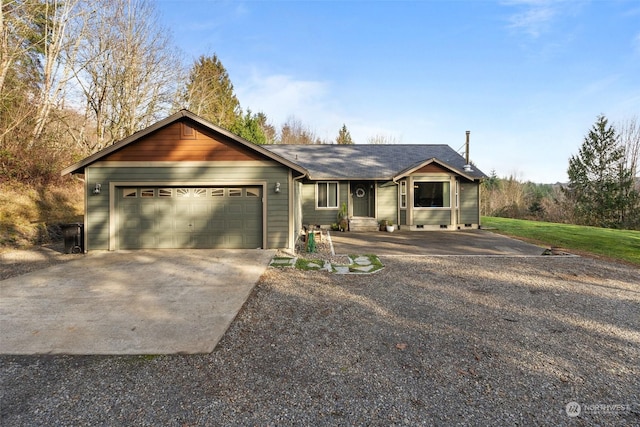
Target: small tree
x,y
344,137
600,184
248,127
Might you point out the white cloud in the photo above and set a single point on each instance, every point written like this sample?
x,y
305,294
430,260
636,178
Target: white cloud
x,y
534,19
538,17
280,96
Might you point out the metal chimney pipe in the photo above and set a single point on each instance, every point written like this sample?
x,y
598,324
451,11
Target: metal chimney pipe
x,y
466,150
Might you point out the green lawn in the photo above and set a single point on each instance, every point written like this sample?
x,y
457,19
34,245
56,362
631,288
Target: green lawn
x,y
616,244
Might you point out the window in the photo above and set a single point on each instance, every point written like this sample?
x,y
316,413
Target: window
x,y
183,192
327,195
217,192
147,192
199,192
431,195
235,192
129,192
403,194
165,192
253,192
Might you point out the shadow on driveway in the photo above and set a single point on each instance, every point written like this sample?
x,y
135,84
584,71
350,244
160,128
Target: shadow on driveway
x,y
128,302
469,242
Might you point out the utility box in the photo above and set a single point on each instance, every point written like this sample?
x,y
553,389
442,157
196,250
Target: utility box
x,y
73,238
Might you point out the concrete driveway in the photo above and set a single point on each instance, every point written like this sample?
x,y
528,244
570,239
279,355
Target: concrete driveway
x,y
468,242
128,302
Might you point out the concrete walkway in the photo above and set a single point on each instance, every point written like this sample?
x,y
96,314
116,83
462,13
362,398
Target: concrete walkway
x,y
128,302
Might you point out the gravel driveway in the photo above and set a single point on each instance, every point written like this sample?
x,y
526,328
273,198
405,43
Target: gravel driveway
x,y
426,341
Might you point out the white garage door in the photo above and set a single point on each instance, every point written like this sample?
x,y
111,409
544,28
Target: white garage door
x,y
189,217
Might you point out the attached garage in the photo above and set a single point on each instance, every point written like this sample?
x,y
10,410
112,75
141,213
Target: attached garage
x,y
186,183
190,217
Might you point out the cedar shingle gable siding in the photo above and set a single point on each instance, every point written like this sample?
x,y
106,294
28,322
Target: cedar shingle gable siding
x,y
183,141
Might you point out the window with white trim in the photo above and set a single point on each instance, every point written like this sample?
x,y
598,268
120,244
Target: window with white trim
x,y
403,194
431,194
129,193
327,195
253,191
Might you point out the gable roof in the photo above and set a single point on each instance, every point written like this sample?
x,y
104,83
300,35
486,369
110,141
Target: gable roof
x,y
180,115
372,162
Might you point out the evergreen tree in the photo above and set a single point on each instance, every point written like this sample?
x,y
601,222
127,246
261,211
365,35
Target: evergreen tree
x,y
209,93
249,127
344,137
599,183
268,129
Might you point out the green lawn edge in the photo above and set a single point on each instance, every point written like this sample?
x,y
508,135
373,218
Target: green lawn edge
x,y
622,245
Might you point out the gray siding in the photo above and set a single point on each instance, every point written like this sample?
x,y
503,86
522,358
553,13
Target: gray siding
x,y
403,217
97,218
388,202
432,217
469,203
326,217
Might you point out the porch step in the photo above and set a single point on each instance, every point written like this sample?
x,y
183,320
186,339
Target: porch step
x,y
361,223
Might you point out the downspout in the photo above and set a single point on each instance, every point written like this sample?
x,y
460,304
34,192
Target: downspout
x,y
295,230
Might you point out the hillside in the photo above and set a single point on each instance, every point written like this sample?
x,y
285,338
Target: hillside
x,y
31,214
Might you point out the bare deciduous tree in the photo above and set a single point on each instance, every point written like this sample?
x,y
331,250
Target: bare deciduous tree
x,y
128,72
58,50
294,132
381,139
629,134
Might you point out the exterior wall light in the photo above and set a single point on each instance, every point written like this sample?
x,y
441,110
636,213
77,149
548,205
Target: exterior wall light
x,y
97,188
277,187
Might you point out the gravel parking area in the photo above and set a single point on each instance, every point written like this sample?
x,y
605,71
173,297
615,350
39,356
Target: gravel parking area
x,y
426,341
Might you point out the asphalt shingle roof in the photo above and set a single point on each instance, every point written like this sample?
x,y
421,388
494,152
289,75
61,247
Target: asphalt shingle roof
x,y
368,162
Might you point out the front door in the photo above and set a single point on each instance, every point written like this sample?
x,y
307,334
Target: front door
x,y
362,198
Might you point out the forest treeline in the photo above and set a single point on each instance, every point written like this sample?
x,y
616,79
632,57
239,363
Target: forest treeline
x,y
78,75
603,189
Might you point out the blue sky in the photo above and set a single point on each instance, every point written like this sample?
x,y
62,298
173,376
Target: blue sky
x,y
527,77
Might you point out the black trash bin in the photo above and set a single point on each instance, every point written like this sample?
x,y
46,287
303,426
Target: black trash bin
x,y
73,238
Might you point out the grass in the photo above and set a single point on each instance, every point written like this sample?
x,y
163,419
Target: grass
x,y
622,245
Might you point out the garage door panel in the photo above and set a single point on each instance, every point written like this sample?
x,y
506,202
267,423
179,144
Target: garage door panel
x,y
181,217
234,208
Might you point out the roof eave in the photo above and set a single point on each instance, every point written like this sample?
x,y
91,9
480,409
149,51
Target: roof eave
x,y
411,169
311,177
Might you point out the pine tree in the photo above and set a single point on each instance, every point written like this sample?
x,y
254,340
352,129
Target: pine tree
x,y
209,93
248,126
344,137
599,182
